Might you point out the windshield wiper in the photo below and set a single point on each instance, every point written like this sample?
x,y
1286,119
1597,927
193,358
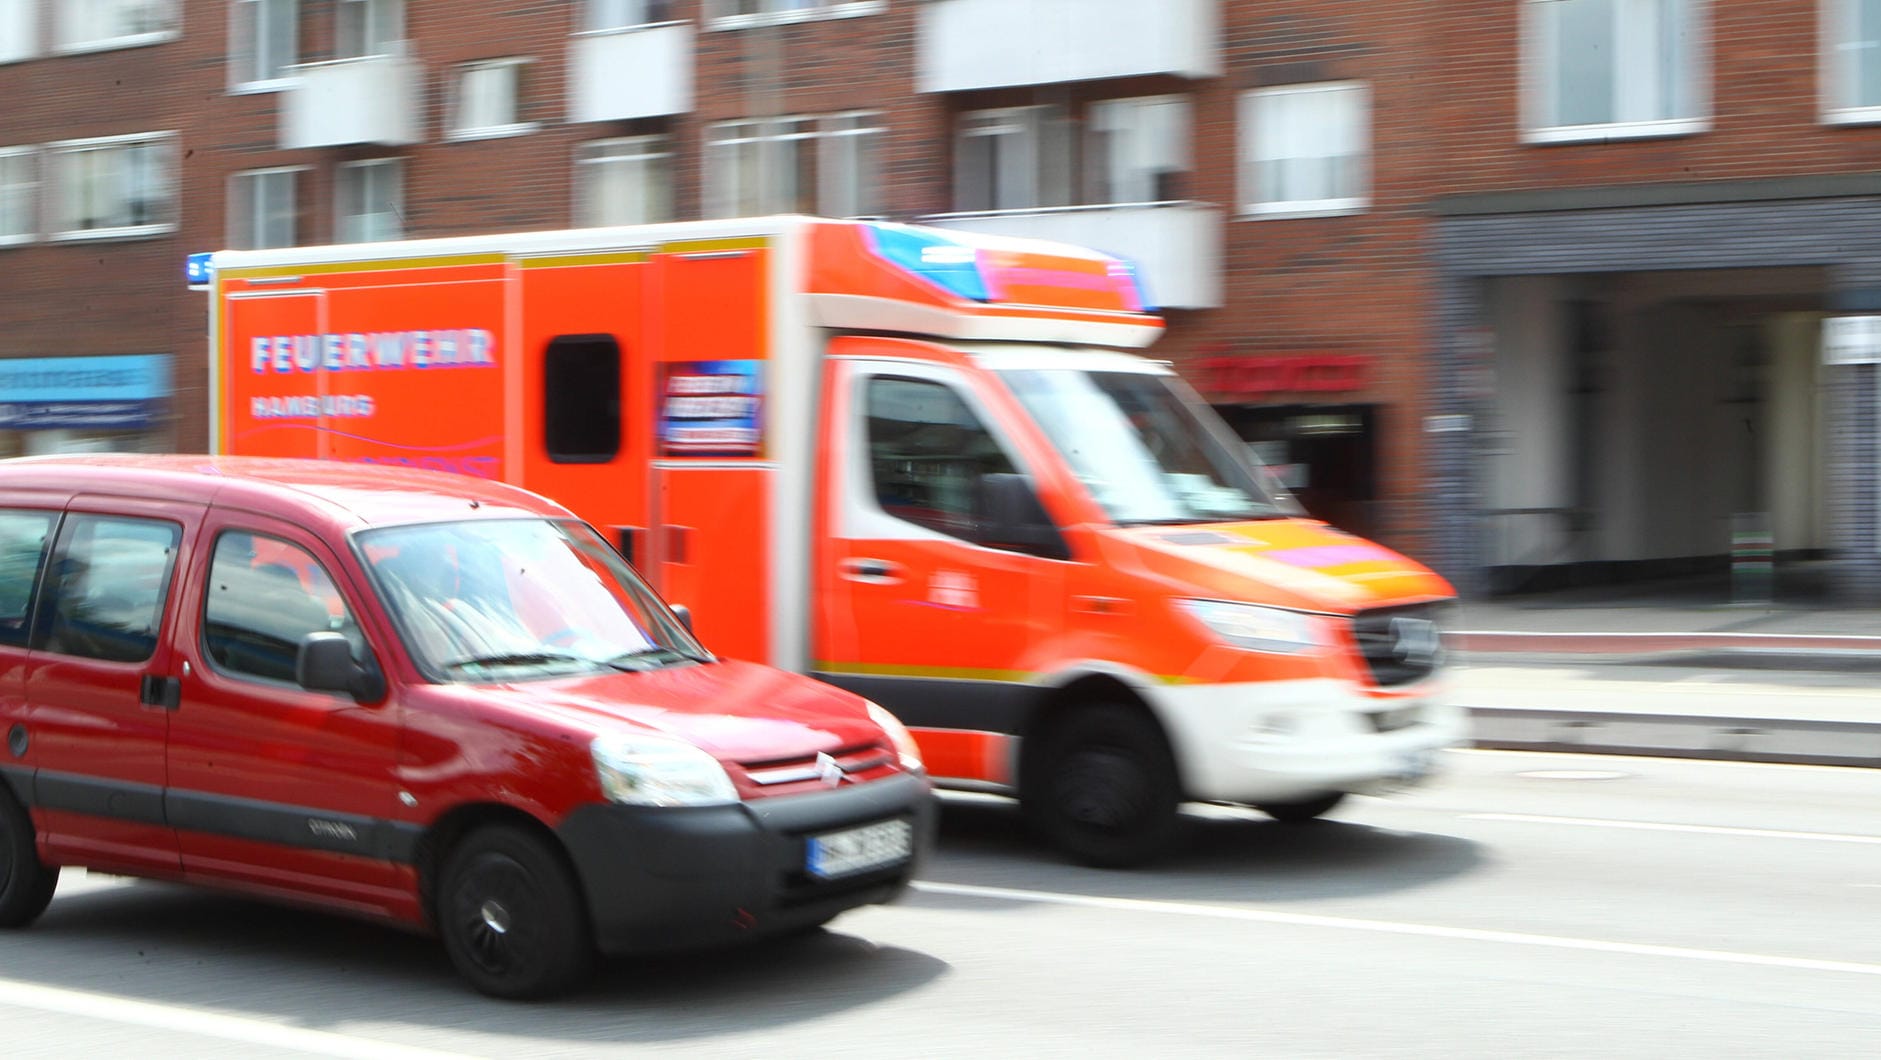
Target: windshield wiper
x,y
658,656
520,658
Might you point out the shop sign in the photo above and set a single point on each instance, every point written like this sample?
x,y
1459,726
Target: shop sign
x,y
1229,378
123,392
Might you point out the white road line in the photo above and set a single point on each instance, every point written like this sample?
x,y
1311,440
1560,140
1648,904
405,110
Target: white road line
x,y
1696,829
1389,927
185,1020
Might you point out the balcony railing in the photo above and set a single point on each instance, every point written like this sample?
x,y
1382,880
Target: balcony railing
x,y
644,72
1177,246
370,100
974,44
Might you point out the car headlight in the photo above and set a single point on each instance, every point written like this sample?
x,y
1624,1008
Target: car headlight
x,y
1256,628
654,771
899,735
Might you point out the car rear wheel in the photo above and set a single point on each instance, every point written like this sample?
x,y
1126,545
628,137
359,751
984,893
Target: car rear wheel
x,y
1303,810
26,883
512,917
1103,787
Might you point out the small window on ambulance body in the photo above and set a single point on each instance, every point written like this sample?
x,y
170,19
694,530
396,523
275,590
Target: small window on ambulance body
x,y
581,399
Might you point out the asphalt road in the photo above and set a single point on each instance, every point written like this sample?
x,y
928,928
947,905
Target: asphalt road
x,y
1524,906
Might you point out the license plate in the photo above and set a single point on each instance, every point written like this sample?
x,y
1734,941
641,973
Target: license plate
x,y
856,850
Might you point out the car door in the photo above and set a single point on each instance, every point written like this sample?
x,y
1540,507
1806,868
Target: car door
x,y
272,785
100,682
27,526
918,613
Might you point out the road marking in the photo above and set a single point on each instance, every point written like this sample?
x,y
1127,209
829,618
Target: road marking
x,y
1651,826
1390,927
201,1022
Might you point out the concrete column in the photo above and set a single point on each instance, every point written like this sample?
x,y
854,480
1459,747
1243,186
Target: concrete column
x,y
1855,448
1453,509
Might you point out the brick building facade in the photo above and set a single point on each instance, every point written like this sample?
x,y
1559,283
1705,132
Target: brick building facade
x,y
1454,265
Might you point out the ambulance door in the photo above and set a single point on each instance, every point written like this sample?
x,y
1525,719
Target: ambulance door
x,y
713,471
917,612
585,389
269,404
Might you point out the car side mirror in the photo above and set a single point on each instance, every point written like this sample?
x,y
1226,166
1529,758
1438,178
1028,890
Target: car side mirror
x,y
684,614
1011,517
325,663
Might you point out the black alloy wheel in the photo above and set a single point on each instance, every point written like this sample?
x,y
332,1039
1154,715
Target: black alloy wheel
x,y
512,918
1103,788
1303,810
26,884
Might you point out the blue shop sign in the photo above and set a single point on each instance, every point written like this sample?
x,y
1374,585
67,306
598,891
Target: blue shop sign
x,y
124,392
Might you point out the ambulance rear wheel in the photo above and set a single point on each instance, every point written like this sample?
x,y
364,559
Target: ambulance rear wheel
x,y
1102,787
26,884
1304,810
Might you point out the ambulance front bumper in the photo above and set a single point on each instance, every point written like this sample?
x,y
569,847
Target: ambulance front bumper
x,y
1281,741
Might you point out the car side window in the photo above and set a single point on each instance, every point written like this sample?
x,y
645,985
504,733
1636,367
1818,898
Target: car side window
x,y
928,453
105,593
24,540
264,595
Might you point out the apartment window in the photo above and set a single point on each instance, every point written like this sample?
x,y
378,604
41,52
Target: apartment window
x,y
731,14
17,224
1137,149
1599,69
602,15
486,98
1305,149
625,181
824,165
263,208
264,40
117,186
1013,158
87,25
1851,45
18,30
368,27
370,201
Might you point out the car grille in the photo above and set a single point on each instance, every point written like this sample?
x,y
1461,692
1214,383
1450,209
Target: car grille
x,y
847,764
1400,644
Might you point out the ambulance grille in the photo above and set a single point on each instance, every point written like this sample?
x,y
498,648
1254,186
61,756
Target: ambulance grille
x,y
1400,644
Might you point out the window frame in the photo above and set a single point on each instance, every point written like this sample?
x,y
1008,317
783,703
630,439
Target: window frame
x,y
658,162
32,185
648,8
393,163
808,135
54,178
455,132
244,55
718,17
22,638
1053,180
226,672
1537,75
67,11
233,202
1838,74
26,13
45,602
1100,169
1249,203
394,18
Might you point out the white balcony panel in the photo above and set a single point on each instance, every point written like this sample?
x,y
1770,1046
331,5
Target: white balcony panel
x,y
373,100
635,73
972,44
1176,246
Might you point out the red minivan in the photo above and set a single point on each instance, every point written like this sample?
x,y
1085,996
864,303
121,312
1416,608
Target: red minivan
x,y
417,697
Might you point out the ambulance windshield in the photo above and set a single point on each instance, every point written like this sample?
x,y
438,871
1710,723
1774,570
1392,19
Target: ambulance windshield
x,y
508,599
1143,449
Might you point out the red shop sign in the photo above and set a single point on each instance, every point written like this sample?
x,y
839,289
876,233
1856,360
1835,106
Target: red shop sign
x,y
1319,373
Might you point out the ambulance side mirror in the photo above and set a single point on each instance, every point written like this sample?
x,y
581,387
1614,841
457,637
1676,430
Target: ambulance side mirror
x,y
1011,517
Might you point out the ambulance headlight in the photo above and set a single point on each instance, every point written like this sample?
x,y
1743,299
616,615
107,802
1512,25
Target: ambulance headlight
x,y
646,770
1255,628
905,747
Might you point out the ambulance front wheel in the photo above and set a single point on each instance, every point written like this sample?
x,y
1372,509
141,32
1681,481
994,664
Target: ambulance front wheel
x,y
1102,786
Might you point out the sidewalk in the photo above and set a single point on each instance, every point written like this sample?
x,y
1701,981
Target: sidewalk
x,y
1673,670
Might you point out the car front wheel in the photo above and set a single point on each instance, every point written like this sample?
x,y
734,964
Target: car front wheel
x,y
512,917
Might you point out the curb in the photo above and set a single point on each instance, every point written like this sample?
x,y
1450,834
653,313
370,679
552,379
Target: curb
x,y
1500,642
1794,741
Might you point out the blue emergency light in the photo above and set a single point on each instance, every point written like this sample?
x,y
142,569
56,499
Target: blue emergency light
x,y
198,270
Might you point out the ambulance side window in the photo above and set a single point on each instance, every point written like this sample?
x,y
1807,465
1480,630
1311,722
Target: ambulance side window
x,y
927,454
581,399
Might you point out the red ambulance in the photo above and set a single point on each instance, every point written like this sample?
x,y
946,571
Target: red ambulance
x,y
930,467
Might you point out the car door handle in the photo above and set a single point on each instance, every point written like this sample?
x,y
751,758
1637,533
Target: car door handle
x,y
163,692
872,571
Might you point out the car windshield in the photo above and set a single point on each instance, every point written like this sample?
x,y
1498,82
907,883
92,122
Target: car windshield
x,y
516,598
1139,444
